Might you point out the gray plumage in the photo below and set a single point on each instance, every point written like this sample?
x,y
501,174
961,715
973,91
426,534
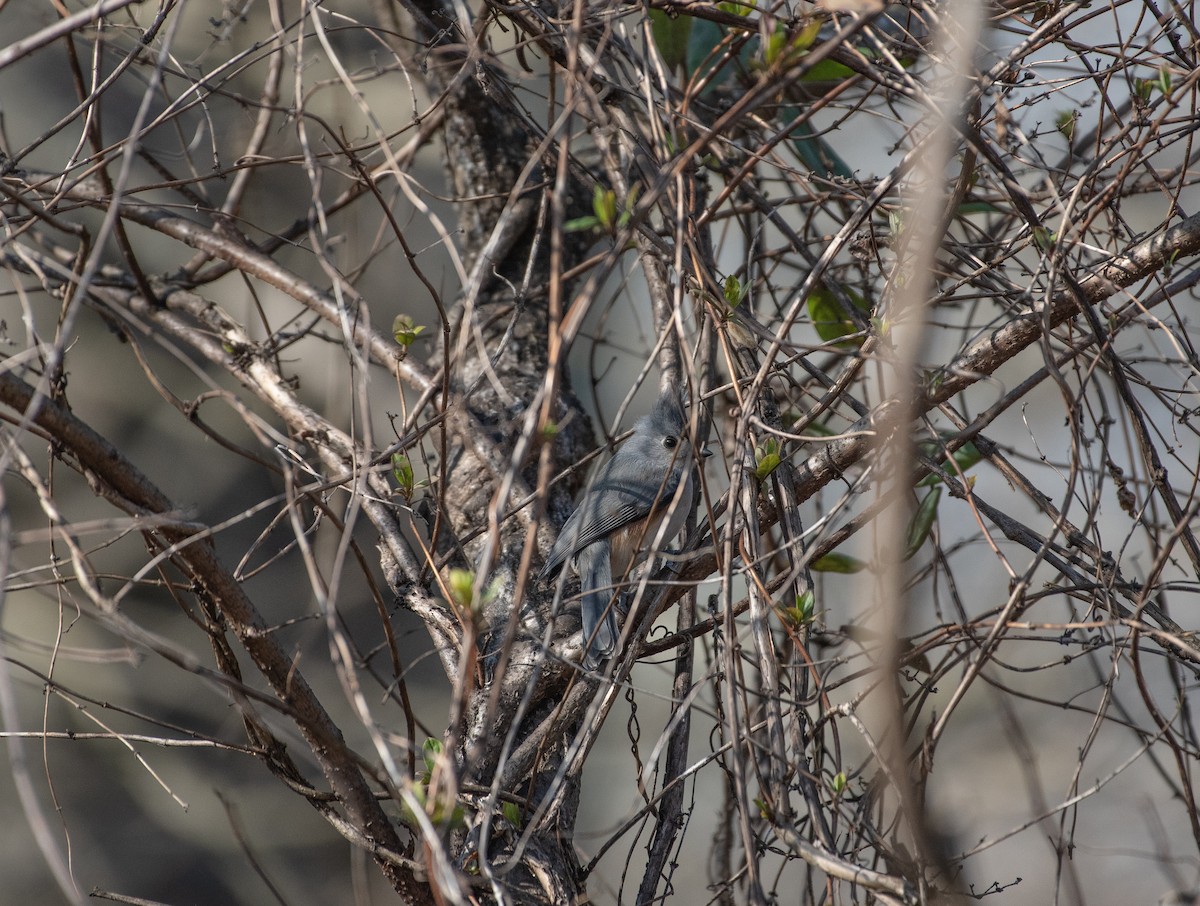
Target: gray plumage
x,y
618,523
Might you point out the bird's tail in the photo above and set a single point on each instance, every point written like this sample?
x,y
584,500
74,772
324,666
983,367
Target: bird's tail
x,y
598,610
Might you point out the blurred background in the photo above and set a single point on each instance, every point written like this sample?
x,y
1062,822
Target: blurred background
x,y
1057,781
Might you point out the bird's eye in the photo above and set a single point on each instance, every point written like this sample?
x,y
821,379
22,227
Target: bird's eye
x,y
670,441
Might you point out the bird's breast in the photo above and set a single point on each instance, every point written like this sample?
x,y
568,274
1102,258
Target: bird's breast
x,y
629,545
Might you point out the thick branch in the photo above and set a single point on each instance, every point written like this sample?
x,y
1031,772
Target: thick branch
x,y
138,495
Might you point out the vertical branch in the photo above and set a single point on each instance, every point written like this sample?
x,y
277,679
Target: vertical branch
x,y
925,224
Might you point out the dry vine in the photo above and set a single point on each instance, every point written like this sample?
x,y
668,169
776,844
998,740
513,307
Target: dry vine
x,y
315,316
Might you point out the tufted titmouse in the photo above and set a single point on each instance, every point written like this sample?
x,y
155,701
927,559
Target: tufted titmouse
x,y
637,503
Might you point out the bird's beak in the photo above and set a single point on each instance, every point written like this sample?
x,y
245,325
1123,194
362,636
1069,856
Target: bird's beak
x,y
705,452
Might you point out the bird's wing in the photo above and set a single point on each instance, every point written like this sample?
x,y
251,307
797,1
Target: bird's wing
x,y
562,549
587,526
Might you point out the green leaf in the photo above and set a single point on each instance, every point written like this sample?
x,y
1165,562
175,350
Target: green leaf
x,y
462,587
734,8
978,207
964,457
1065,123
581,224
511,813
967,456
766,458
922,521
806,605
831,72
1168,267
452,815
786,49
629,206
807,35
431,750
671,33
734,292
1044,238
604,205
838,563
437,812
804,611
829,319
1164,80
406,812
775,46
402,471
838,783
404,331
827,71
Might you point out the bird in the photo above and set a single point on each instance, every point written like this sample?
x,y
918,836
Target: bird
x,y
619,520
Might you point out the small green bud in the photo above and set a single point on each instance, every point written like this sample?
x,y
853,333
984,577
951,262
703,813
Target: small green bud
x,y
462,587
766,458
404,331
